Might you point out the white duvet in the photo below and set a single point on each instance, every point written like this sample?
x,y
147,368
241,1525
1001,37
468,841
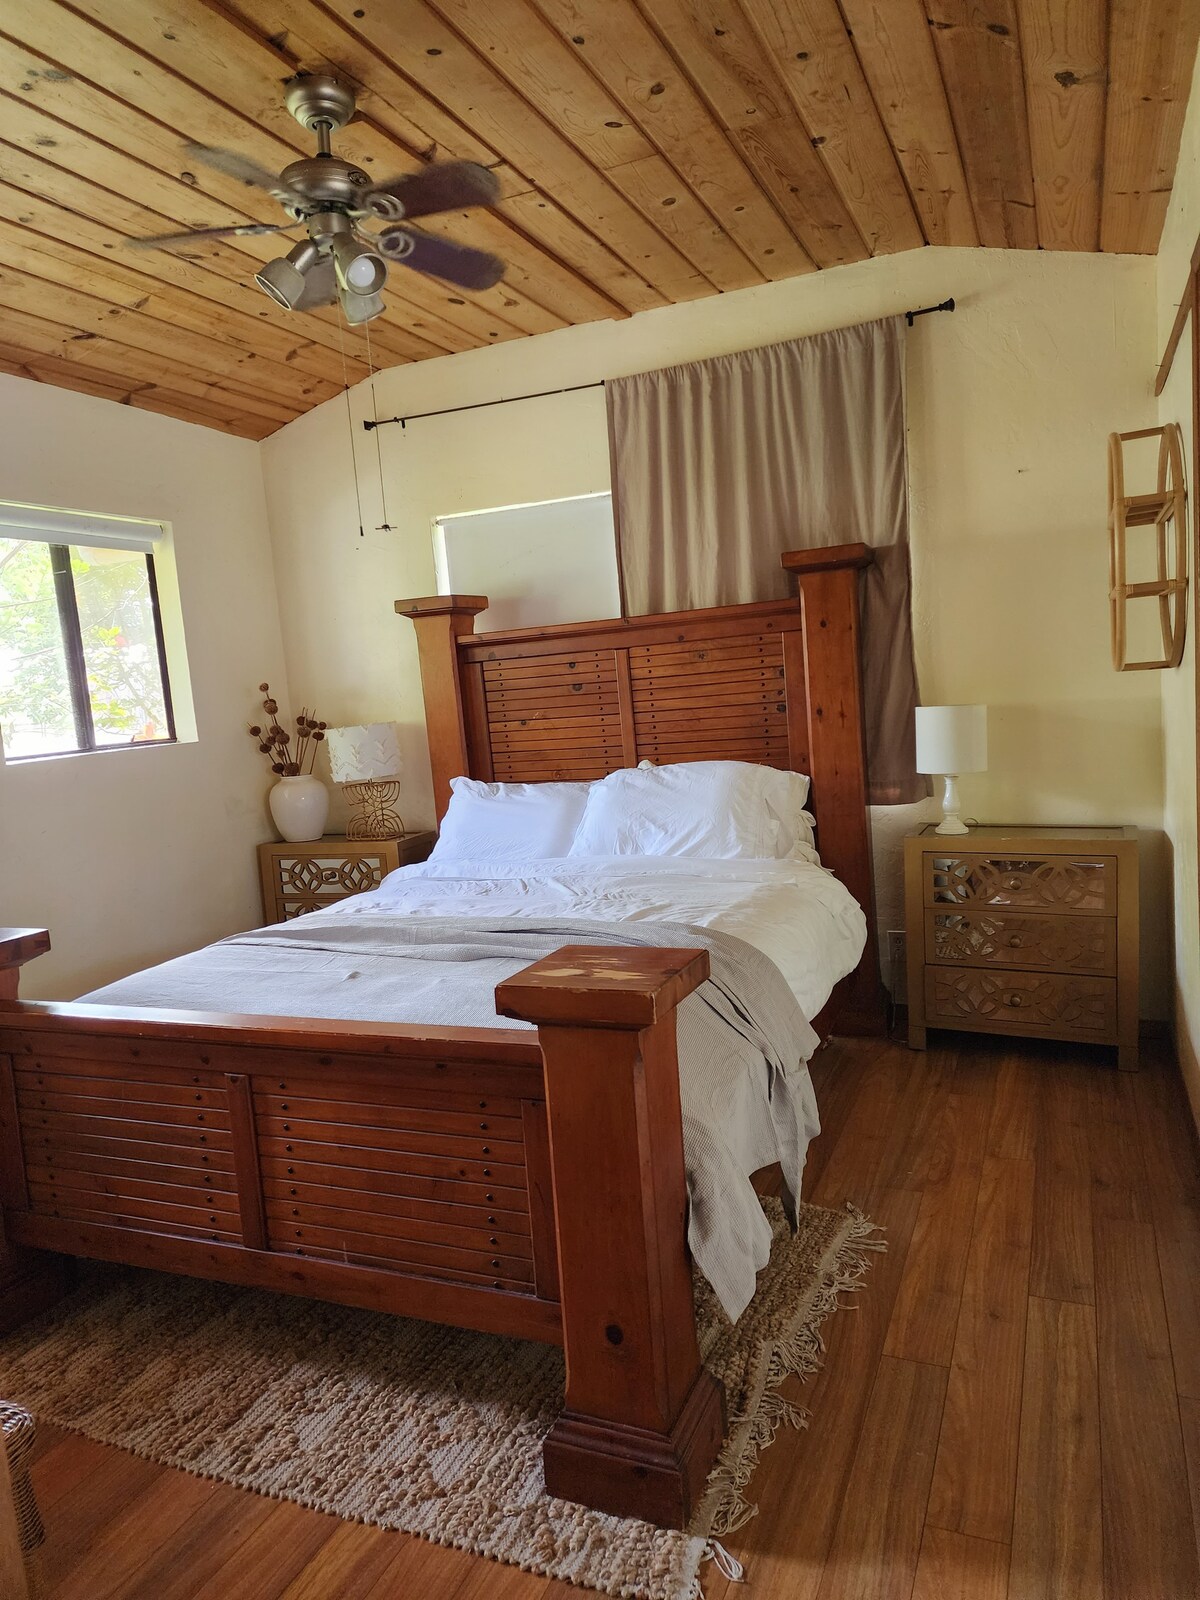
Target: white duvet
x,y
795,912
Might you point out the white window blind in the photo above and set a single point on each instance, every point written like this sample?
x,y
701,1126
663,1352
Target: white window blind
x,y
553,561
79,528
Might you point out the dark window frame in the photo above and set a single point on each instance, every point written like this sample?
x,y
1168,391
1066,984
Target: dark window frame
x,y
72,638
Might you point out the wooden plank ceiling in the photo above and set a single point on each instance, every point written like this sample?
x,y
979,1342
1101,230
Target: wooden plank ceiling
x,y
650,151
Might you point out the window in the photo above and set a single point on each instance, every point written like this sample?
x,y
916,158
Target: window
x,y
82,661
553,561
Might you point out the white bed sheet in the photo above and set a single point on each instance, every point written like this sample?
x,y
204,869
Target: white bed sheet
x,y
796,913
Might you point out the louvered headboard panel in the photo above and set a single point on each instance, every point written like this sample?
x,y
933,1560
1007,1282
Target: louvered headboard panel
x,y
581,714
775,682
556,716
741,682
709,686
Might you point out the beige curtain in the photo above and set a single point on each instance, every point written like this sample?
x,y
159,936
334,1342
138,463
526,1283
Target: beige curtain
x,y
720,465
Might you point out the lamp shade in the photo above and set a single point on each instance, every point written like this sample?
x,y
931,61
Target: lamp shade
x,y
951,739
363,754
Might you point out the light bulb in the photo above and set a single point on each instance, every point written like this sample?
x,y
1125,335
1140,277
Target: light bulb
x,y
361,273
359,269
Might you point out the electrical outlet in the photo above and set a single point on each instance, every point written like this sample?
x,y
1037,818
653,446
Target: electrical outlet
x,y
897,974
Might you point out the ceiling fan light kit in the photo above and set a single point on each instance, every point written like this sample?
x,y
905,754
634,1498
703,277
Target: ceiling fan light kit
x,y
286,278
334,200
358,308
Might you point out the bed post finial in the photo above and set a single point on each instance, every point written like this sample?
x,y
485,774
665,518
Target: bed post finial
x,y
644,1417
440,619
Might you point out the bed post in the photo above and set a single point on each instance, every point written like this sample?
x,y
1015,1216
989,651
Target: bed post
x,y
644,1419
439,620
828,583
30,1280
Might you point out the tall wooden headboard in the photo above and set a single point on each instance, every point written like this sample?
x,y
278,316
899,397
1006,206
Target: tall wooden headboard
x,y
775,682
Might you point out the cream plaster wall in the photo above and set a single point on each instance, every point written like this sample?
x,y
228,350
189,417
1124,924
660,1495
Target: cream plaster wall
x,y
1010,400
136,855
1178,688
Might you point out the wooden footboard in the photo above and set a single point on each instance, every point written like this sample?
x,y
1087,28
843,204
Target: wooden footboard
x,y
528,1184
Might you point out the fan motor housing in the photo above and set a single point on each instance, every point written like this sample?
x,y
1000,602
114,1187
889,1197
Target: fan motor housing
x,y
326,180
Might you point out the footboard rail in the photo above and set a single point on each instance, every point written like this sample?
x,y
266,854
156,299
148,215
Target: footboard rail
x,y
520,1183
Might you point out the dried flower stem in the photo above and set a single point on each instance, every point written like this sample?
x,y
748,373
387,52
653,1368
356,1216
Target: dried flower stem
x,y
276,743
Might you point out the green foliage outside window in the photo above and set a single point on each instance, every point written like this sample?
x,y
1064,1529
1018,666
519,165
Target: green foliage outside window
x,y
119,647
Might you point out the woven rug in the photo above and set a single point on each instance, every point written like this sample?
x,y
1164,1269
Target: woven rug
x,y
427,1430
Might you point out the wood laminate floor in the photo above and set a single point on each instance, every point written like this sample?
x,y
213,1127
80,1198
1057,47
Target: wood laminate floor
x,y
1009,1411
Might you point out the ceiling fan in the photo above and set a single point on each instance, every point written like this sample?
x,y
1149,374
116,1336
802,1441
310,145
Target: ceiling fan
x,y
340,260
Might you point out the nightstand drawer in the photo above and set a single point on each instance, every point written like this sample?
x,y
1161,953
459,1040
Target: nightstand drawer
x,y
1068,1006
309,880
1071,884
975,937
315,875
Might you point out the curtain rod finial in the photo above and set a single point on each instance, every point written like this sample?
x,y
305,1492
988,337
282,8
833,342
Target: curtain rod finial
x,y
923,311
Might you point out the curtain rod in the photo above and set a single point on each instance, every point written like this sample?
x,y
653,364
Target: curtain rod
x,y
545,394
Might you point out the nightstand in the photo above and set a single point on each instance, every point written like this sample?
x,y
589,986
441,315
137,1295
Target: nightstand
x,y
1025,931
308,877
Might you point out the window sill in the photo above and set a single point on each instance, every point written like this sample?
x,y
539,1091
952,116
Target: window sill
x,y
100,750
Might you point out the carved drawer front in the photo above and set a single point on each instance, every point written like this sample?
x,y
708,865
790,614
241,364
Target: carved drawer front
x,y
1043,883
1014,939
1057,1005
306,882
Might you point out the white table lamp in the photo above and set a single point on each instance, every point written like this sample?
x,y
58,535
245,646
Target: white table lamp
x,y
365,759
951,740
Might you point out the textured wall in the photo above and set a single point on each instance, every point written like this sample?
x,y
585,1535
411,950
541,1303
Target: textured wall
x,y
136,855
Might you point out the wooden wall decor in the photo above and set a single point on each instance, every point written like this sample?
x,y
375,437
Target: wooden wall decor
x,y
1162,513
650,152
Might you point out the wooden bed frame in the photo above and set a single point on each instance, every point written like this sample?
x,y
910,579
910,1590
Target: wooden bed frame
x,y
527,1184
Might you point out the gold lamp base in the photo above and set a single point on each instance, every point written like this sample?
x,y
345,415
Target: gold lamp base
x,y
374,815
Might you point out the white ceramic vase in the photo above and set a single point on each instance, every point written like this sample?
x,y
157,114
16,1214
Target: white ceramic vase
x,y
300,807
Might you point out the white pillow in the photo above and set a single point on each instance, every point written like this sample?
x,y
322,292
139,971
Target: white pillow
x,y
786,793
509,821
715,809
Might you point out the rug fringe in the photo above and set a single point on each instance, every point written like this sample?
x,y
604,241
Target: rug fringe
x,y
797,1353
726,1563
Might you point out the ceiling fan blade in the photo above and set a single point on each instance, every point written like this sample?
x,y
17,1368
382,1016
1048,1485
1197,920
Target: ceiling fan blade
x,y
239,230
240,167
444,186
442,258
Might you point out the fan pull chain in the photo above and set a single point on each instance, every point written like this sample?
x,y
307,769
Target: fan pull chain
x,y
385,526
349,418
